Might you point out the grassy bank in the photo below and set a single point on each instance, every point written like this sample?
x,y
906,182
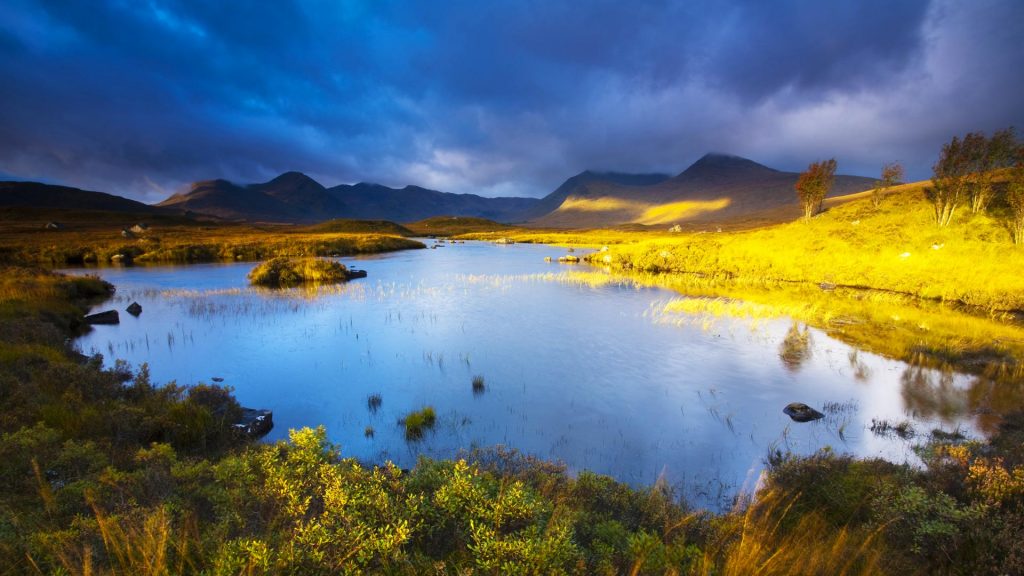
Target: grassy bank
x,y
100,240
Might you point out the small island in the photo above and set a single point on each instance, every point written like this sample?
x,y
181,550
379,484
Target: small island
x,y
285,272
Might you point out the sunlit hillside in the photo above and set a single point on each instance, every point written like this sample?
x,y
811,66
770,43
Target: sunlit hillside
x,y
717,189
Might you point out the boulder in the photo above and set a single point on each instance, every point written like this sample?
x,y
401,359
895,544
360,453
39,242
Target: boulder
x,y
255,423
570,258
353,273
134,309
105,317
800,412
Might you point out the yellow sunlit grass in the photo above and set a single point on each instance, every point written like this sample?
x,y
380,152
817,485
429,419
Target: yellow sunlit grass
x,y
603,204
678,211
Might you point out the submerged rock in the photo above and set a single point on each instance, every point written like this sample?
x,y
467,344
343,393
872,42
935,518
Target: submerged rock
x,y
255,423
106,317
800,412
353,273
134,309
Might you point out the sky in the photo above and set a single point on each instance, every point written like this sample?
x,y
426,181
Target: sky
x,y
497,98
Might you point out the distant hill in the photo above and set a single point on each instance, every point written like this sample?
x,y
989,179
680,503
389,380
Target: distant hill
x,y
718,187
295,197
360,227
414,203
291,197
35,195
453,225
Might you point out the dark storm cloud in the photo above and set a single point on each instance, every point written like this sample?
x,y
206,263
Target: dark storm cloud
x,y
815,46
501,97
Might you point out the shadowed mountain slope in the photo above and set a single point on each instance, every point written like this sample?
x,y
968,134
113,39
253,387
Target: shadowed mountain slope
x,y
552,201
295,197
37,195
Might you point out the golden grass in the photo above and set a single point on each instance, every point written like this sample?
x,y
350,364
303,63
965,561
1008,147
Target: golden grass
x,y
758,541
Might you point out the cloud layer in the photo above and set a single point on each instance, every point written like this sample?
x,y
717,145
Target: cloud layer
x,y
507,97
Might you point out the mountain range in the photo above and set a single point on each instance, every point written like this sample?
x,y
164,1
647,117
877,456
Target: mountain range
x,y
295,197
718,187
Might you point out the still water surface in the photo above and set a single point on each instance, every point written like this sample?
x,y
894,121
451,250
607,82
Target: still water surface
x,y
591,375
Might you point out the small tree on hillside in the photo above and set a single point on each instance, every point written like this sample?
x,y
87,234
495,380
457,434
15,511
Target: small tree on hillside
x,y
950,179
986,156
1015,198
814,184
892,174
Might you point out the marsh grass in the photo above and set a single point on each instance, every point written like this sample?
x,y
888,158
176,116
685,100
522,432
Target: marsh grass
x,y
904,429
373,402
418,422
181,242
478,384
769,537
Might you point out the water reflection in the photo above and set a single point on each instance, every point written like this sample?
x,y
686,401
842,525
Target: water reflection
x,y
796,347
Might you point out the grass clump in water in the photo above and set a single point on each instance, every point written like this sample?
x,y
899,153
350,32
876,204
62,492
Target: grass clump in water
x,y
373,402
478,384
284,272
419,421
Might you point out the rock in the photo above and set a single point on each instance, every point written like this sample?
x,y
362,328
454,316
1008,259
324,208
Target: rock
x,y
134,309
106,317
800,412
353,273
827,286
570,259
217,379
547,258
255,423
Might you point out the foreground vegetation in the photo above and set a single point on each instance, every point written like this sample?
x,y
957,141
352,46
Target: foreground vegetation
x,y
106,473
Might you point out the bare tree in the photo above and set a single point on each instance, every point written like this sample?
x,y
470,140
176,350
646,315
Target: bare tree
x,y
950,179
814,184
986,156
1015,198
892,174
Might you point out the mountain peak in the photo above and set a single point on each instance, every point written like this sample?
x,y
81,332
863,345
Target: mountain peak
x,y
292,178
719,164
